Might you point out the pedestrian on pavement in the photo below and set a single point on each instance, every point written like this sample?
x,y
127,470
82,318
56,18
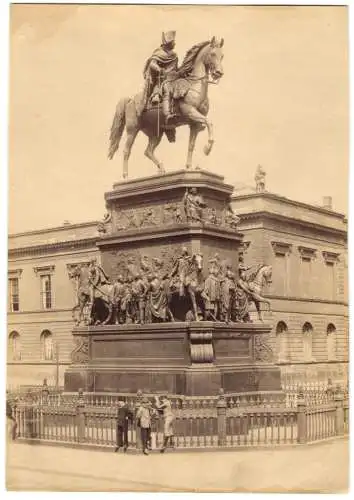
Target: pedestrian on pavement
x,y
165,406
124,416
143,417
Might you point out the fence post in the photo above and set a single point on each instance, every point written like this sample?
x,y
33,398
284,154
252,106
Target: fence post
x,y
45,392
339,402
80,417
221,413
301,417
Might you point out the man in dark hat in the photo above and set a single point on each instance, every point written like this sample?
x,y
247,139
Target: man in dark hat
x,y
124,416
143,417
158,68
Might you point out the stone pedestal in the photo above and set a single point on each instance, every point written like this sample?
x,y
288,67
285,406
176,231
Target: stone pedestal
x,y
148,220
148,224
196,358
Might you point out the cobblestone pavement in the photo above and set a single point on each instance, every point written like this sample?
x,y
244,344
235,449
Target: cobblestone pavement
x,y
317,468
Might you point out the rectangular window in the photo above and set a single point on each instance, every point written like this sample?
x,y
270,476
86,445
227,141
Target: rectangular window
x,y
330,281
46,291
14,299
306,270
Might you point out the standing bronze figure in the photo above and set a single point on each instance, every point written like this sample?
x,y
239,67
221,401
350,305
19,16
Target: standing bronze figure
x,y
186,89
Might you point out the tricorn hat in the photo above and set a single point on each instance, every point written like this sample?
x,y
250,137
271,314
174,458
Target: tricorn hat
x,y
168,37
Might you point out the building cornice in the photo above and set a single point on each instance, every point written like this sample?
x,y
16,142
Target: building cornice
x,y
264,214
49,248
146,234
305,299
56,228
283,199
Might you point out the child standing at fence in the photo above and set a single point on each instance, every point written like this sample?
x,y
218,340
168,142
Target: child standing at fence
x,y
124,416
169,418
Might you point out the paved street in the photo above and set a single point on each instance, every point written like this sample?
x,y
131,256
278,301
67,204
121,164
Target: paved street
x,y
321,467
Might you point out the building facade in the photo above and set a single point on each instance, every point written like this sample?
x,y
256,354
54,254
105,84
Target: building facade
x,y
40,300
306,246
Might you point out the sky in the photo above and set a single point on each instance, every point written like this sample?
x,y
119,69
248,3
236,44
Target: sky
x,y
282,102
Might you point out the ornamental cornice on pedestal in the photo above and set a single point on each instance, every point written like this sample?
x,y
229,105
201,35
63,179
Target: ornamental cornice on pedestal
x,y
174,180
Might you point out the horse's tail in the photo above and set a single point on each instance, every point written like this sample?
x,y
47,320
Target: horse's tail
x,y
117,127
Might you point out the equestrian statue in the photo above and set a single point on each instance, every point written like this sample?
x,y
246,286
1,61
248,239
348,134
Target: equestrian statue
x,y
172,96
151,293
94,294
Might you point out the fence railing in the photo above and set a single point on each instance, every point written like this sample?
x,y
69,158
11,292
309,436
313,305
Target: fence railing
x,y
200,422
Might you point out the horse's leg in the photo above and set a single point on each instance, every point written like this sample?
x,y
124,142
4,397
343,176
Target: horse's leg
x,y
131,135
82,303
258,307
191,113
193,132
259,298
154,141
194,302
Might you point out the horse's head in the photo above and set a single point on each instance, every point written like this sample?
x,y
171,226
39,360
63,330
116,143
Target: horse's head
x,y
74,273
198,260
267,274
213,59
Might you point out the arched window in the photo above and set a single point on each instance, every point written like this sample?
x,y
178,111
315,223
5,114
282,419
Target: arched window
x,y
14,346
47,345
307,331
281,340
331,342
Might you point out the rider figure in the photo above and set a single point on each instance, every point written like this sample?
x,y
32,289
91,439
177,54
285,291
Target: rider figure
x,y
180,269
162,64
242,280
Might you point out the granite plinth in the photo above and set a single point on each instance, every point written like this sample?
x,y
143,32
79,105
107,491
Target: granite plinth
x,y
195,358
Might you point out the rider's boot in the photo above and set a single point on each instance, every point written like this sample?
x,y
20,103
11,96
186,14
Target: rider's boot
x,y
166,108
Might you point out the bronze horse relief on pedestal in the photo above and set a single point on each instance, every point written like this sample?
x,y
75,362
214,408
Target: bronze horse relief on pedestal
x,y
201,67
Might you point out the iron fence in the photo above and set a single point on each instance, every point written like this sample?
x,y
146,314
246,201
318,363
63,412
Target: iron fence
x,y
200,422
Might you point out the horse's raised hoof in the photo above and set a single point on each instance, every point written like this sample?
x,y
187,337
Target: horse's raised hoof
x,y
208,148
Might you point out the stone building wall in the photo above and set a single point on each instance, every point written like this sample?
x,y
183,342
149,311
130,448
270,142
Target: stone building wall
x,y
306,247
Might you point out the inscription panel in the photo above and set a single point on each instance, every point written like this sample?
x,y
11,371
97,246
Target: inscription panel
x,y
232,347
114,348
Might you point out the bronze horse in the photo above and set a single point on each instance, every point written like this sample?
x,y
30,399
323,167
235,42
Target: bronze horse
x,y
94,301
255,282
202,66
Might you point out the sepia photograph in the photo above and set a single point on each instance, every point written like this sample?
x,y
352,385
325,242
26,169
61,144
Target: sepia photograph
x,y
177,313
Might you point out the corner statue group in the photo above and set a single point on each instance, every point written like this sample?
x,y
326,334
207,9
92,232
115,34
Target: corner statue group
x,y
172,96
